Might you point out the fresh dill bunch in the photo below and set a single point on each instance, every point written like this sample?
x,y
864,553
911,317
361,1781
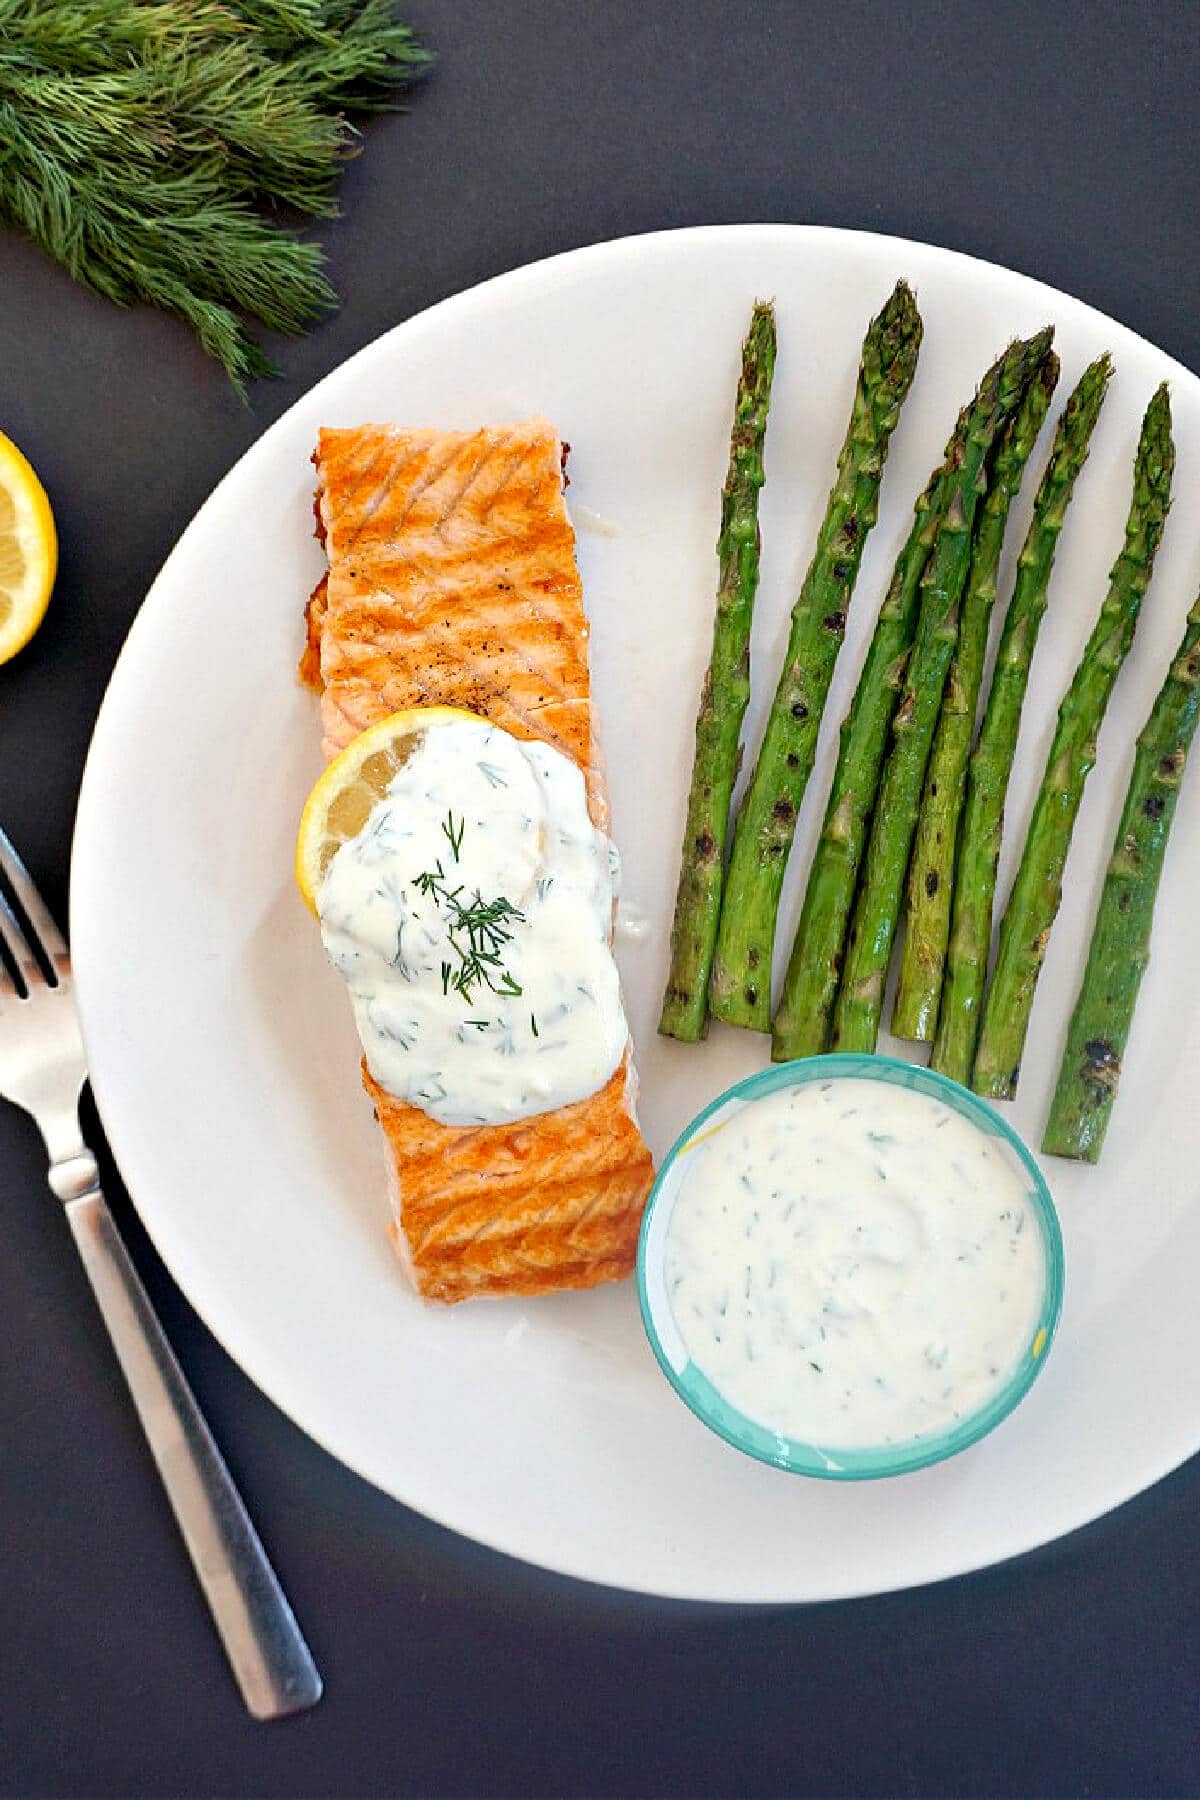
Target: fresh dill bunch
x,y
140,141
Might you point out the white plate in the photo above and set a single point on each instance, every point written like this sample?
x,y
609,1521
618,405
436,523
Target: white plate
x,y
222,1051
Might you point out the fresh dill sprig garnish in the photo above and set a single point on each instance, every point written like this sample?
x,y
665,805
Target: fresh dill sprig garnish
x,y
432,884
484,925
454,836
143,144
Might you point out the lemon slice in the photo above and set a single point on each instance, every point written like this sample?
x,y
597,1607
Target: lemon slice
x,y
28,550
356,779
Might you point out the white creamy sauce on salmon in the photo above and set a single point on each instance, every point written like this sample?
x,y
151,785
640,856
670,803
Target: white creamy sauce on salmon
x,y
471,917
852,1264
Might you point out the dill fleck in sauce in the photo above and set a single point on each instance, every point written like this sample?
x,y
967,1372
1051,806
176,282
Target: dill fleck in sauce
x,y
852,1264
471,918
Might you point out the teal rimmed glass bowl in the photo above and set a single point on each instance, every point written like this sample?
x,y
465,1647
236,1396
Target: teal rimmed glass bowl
x,y
709,1404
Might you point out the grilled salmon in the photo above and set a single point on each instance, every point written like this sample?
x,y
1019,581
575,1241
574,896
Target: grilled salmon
x,y
452,581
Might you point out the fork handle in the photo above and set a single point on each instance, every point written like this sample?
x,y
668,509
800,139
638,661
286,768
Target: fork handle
x,y
266,1650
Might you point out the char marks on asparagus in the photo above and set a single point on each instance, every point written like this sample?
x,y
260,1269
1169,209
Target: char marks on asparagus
x,y
1037,891
877,907
724,697
740,988
931,869
991,763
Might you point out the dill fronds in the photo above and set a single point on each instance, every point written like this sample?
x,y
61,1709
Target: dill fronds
x,y
140,141
485,926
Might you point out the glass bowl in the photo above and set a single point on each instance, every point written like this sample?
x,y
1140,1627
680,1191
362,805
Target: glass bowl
x,y
705,1400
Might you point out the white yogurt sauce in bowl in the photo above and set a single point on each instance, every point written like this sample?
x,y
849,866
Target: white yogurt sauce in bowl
x,y
850,1267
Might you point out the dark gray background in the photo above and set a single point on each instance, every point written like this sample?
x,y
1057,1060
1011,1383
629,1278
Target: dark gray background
x,y
1059,139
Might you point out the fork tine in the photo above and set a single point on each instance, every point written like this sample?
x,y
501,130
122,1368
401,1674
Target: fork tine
x,y
37,912
17,945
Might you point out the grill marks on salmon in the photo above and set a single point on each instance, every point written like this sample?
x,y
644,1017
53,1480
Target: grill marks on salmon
x,y
452,582
534,1207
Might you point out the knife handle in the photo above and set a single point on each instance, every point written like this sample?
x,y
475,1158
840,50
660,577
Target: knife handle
x,y
262,1640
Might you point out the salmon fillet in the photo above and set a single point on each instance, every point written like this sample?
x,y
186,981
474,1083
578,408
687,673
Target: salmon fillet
x,y
452,582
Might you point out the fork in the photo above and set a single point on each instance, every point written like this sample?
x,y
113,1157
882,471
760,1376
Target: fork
x,y
43,1069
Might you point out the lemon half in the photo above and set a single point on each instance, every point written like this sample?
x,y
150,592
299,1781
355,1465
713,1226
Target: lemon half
x,y
28,550
356,779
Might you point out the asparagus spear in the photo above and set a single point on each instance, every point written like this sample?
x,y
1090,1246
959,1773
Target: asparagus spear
x,y
1120,947
931,869
873,926
1037,891
740,989
991,764
723,698
801,1023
